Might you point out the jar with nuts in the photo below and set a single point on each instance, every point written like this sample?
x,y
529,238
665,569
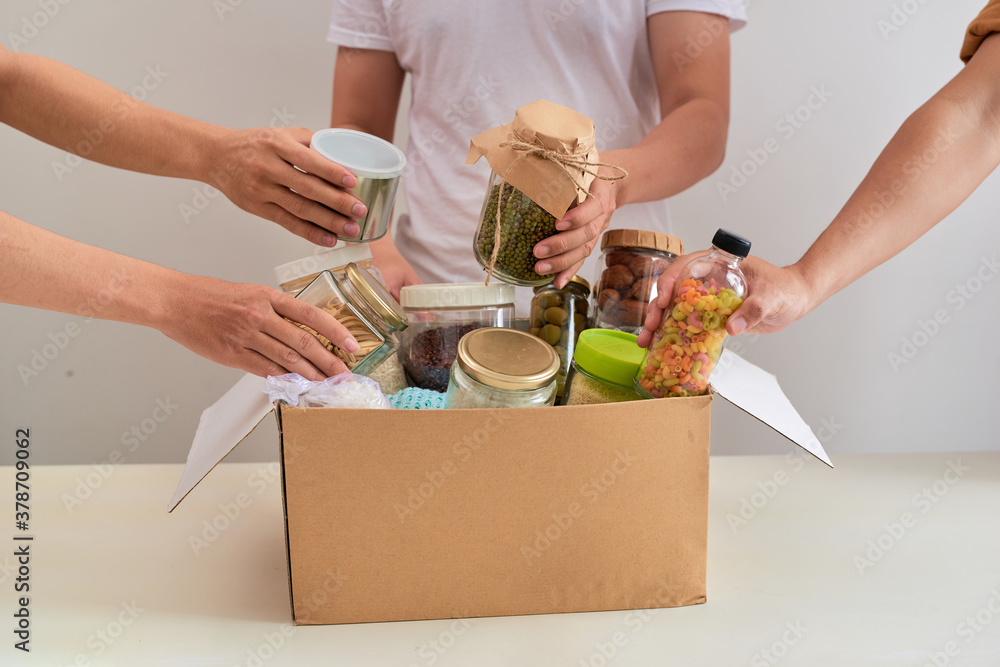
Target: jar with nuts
x,y
369,312
557,317
631,262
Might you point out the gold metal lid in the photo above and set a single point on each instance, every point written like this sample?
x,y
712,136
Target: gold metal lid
x,y
575,279
642,238
507,358
372,291
581,281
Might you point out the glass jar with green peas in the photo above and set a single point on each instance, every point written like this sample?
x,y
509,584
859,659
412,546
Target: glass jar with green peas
x,y
523,223
557,317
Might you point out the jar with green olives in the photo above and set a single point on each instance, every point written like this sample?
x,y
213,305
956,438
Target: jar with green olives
x,y
557,317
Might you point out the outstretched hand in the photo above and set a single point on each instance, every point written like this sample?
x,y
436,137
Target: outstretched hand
x,y
272,172
776,297
244,326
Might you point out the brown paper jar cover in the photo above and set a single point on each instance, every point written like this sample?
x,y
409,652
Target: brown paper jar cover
x,y
548,125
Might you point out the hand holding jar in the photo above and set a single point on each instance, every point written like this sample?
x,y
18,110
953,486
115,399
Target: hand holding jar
x,y
691,334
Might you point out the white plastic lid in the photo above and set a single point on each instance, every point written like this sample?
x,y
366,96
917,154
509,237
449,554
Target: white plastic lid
x,y
363,154
334,258
455,295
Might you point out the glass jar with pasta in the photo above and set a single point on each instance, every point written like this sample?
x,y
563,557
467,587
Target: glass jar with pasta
x,y
369,312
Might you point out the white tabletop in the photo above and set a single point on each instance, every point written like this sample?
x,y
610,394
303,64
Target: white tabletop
x,y
886,560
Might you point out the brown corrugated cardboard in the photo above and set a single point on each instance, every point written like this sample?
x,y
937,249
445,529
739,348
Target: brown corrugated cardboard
x,y
398,515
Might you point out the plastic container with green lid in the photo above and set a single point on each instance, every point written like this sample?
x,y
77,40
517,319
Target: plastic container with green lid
x,y
604,364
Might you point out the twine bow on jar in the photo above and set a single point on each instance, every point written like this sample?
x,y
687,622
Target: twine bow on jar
x,y
578,161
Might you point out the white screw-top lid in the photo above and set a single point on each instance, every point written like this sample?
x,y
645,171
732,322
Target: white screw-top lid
x,y
327,260
455,295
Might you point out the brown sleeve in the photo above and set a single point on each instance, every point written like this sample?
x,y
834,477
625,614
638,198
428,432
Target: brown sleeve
x,y
981,27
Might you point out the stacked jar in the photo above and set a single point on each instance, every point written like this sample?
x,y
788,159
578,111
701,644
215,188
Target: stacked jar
x,y
439,315
631,262
502,368
294,276
362,305
557,317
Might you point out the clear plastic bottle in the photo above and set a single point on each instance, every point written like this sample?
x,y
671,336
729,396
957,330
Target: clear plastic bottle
x,y
692,332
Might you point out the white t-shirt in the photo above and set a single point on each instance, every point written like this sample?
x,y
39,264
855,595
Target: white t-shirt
x,y
472,64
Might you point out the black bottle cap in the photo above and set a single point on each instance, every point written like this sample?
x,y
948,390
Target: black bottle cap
x,y
731,243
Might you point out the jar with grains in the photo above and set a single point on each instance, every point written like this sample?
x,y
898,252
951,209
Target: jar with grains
x,y
557,317
369,312
689,340
603,367
294,276
439,315
390,375
631,261
502,368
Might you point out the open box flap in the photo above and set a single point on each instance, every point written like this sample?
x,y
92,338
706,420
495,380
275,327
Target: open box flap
x,y
755,391
223,426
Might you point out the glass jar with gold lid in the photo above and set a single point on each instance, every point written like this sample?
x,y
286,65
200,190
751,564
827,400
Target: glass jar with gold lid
x,y
502,368
369,312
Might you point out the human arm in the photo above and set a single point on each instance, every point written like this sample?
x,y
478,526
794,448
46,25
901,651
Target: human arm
x,y
254,168
937,159
234,324
687,145
367,85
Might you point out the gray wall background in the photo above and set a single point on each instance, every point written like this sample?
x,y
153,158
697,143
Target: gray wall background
x,y
263,62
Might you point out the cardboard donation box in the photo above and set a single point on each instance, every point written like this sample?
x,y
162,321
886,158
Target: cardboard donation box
x,y
412,514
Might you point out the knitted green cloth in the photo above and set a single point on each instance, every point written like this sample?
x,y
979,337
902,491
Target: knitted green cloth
x,y
415,398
